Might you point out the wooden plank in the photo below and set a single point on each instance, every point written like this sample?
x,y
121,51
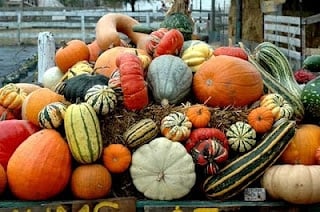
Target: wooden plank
x,y
282,19
283,39
291,53
311,19
296,30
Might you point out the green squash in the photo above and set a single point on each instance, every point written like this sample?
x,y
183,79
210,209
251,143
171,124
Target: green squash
x,y
312,63
169,79
310,98
180,22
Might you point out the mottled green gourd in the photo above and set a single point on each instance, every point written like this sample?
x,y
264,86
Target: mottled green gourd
x,y
310,98
181,22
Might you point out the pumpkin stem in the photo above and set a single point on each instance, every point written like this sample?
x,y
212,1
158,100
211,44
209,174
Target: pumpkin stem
x,y
160,176
207,100
63,43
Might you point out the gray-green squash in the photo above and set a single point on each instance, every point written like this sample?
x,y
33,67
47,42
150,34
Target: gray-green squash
x,y
169,79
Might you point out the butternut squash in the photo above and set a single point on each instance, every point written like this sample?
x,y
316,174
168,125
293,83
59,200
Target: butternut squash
x,y
109,27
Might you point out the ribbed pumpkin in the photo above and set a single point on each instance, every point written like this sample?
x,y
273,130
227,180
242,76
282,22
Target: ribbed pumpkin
x,y
90,181
116,157
227,80
40,168
176,126
199,115
169,79
303,146
241,137
36,101
102,98
261,119
83,133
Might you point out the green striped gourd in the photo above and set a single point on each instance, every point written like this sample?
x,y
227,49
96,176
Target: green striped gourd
x,y
140,133
52,115
247,168
83,133
241,137
102,98
272,82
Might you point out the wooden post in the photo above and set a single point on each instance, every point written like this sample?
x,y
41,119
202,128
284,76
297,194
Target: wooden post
x,y
46,53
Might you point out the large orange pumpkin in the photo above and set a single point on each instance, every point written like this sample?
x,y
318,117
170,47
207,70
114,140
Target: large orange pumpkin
x,y
227,80
40,167
91,181
106,62
3,179
36,101
303,146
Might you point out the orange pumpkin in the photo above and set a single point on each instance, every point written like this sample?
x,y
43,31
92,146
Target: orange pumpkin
x,y
90,181
261,119
40,167
36,101
116,157
303,146
70,53
227,80
317,156
106,62
199,115
3,180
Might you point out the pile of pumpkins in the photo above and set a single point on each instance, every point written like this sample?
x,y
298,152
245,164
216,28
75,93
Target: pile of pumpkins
x,y
51,136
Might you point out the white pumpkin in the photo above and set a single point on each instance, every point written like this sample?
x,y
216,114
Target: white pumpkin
x,y
51,77
163,170
297,184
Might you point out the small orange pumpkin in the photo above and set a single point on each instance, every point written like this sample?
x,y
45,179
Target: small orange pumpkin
x,y
303,146
91,181
199,115
70,53
116,157
261,119
36,101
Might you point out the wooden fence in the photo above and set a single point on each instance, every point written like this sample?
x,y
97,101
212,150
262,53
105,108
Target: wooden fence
x,y
80,24
289,34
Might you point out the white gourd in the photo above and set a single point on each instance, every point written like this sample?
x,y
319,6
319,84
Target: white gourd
x,y
163,170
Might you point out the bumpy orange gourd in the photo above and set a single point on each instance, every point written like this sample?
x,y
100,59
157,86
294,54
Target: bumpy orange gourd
x,y
90,181
36,101
40,167
70,53
227,80
106,62
116,157
303,146
199,115
261,119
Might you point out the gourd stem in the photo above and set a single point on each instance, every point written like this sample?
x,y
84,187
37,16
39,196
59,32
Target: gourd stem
x,y
160,176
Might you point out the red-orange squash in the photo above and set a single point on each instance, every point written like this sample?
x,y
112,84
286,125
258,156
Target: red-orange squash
x,y
226,80
303,146
40,167
3,180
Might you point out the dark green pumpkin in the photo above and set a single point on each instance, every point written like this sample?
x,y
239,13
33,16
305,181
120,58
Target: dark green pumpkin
x,y
75,88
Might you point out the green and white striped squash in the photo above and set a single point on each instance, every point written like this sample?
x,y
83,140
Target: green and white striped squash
x,y
52,115
102,98
140,133
241,137
83,133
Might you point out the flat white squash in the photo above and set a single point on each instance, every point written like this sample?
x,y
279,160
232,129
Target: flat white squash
x,y
163,170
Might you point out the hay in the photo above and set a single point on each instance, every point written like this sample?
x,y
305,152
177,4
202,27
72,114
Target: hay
x,y
115,124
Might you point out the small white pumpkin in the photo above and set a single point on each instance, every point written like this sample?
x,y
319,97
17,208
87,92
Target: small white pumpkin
x,y
51,77
163,170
